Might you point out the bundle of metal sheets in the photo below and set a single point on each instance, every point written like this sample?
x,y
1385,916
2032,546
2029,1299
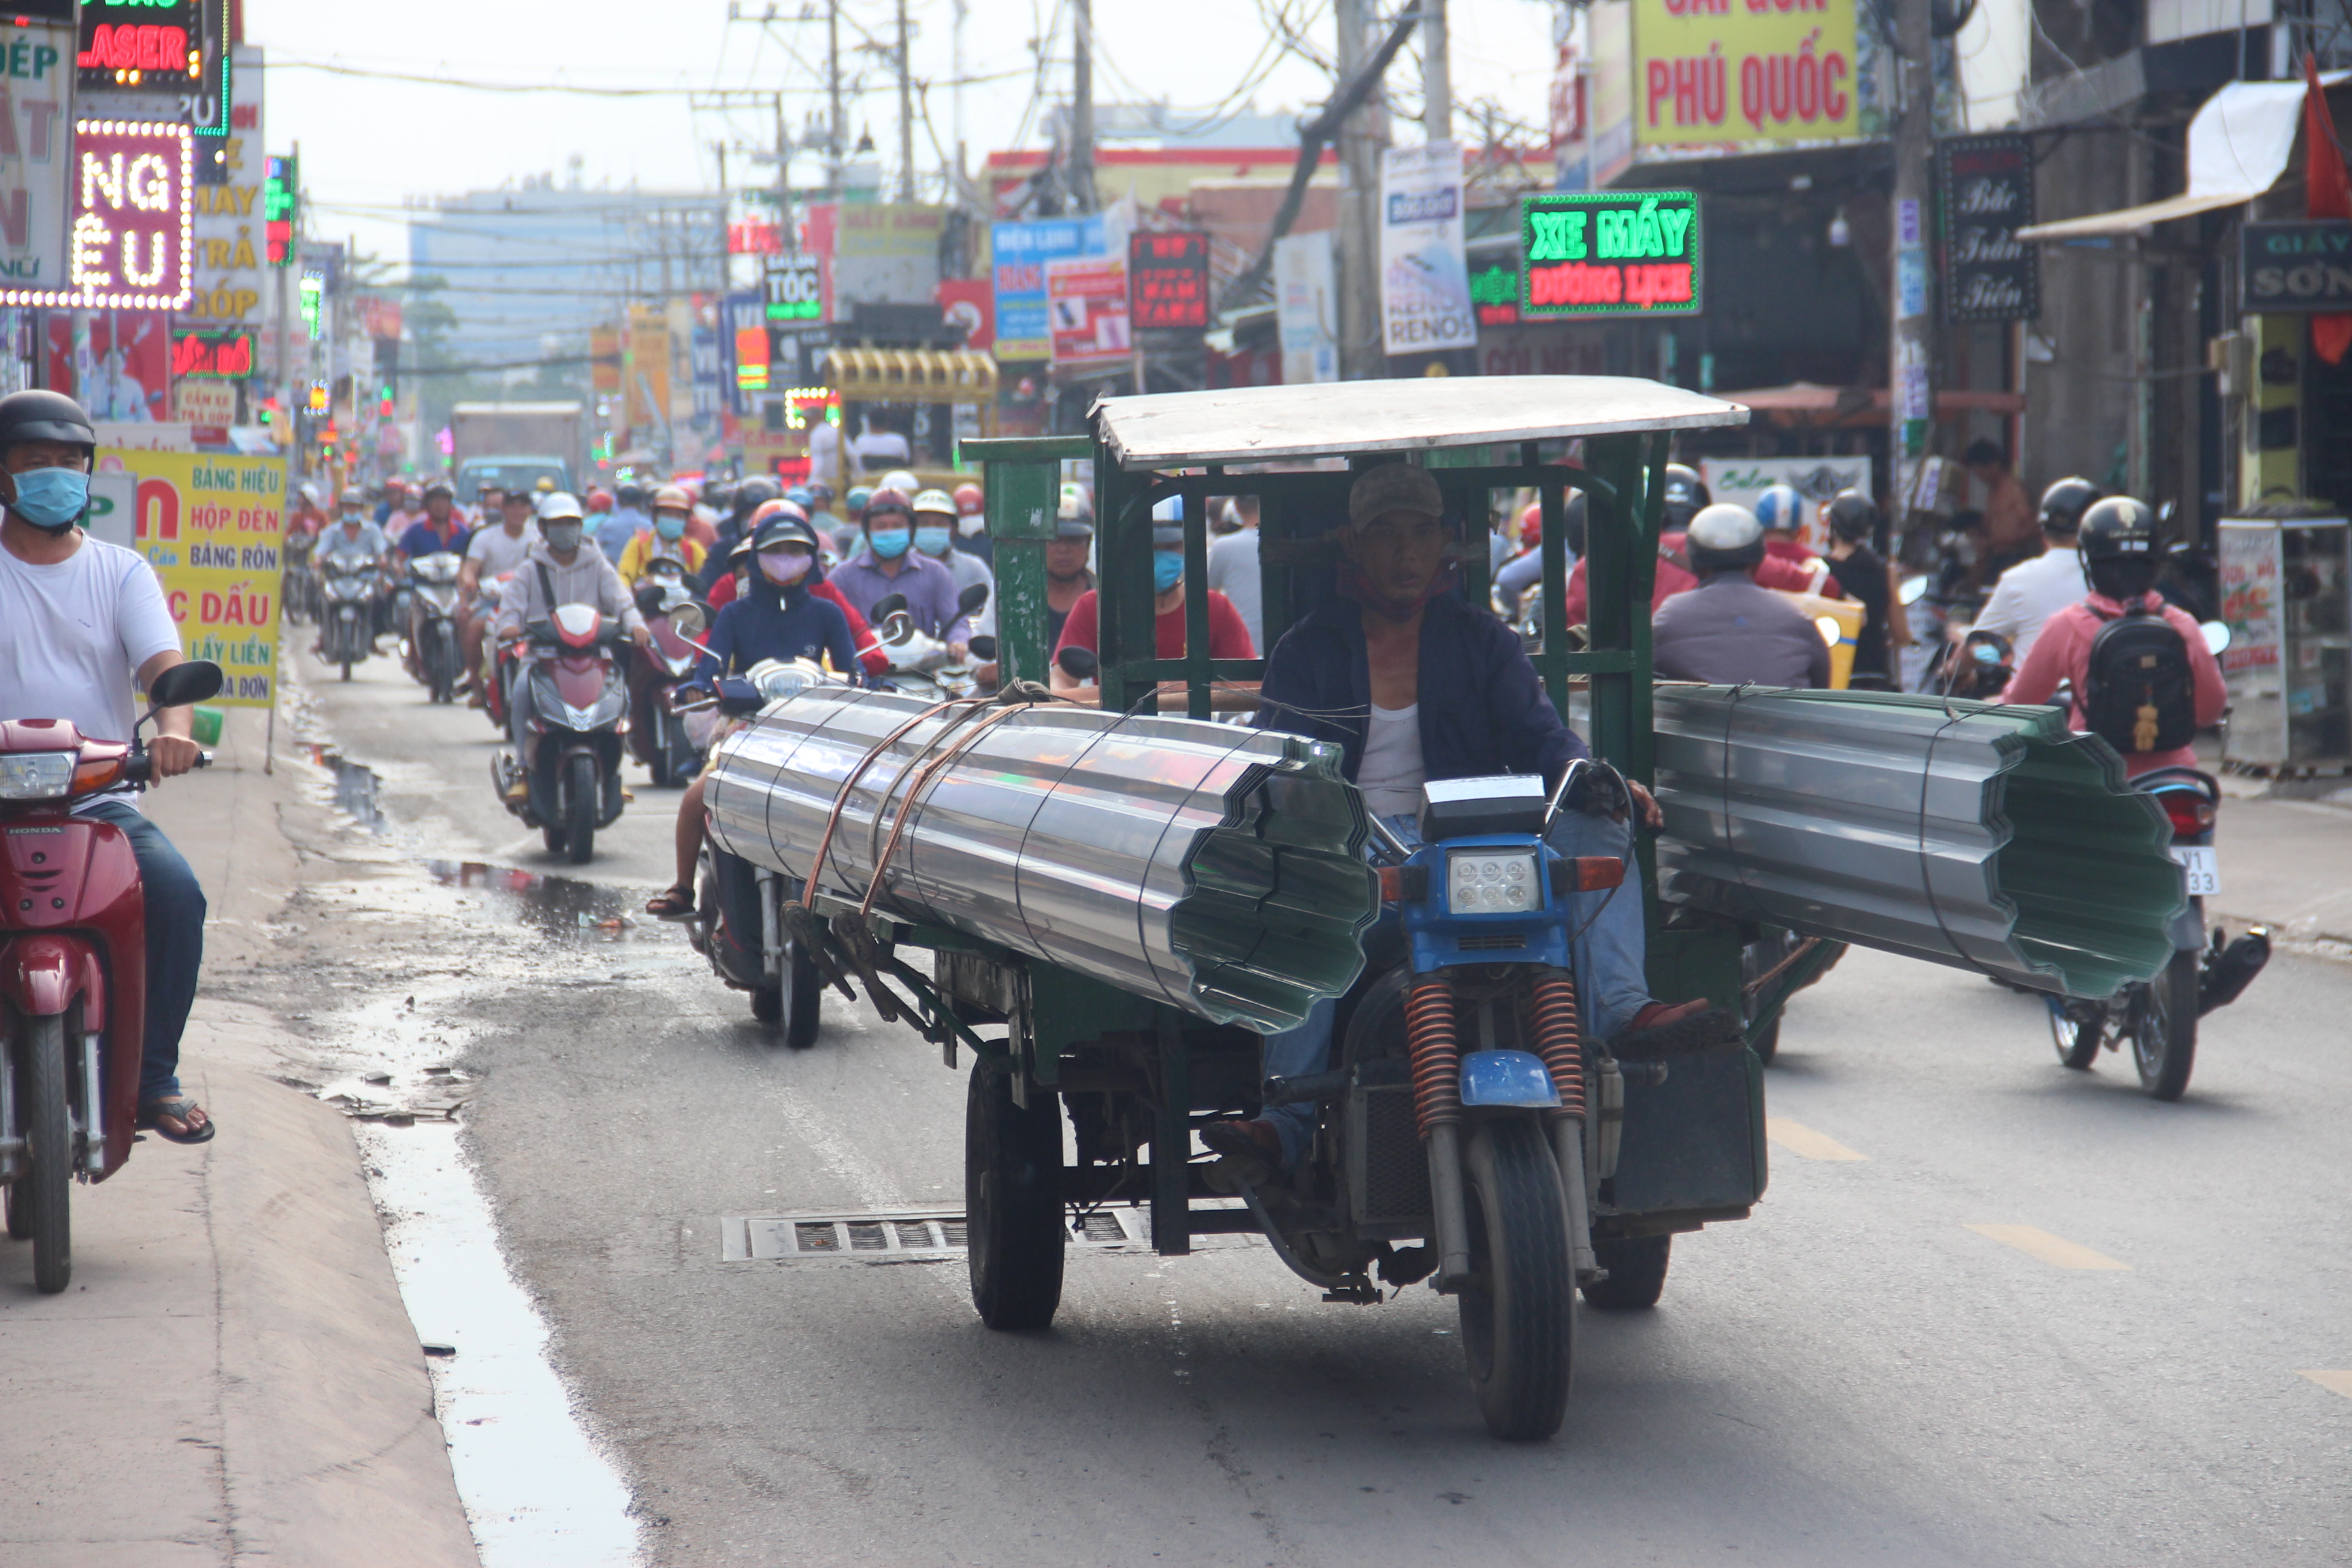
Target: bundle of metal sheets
x,y
1971,834
1218,868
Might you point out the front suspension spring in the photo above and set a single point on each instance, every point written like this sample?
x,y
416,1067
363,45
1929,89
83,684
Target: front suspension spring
x,y
1558,1040
1436,1052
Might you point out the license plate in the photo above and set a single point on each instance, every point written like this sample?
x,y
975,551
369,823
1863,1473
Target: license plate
x,y
2199,868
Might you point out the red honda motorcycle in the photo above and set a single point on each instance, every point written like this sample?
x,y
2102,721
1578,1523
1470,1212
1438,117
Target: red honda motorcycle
x,y
570,761
73,968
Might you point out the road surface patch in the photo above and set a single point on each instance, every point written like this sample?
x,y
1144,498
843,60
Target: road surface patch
x,y
1804,1142
2055,1250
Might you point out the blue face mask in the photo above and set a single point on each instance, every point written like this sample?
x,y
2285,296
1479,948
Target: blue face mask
x,y
933,540
889,543
1167,570
670,527
51,498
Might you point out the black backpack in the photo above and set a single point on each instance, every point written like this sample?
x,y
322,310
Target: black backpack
x,y
2140,694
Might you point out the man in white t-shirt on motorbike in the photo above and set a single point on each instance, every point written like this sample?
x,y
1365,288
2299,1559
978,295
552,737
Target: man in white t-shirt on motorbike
x,y
81,620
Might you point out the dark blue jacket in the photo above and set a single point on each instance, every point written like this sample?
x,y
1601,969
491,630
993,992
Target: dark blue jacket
x,y
1483,708
761,625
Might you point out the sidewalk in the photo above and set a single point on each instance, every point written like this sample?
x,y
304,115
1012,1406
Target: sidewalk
x,y
2288,863
231,1374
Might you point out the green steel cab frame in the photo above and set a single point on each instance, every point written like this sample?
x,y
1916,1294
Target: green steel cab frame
x,y
1694,1150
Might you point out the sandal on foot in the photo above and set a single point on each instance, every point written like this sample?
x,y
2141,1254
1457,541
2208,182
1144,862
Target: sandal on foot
x,y
673,903
182,1109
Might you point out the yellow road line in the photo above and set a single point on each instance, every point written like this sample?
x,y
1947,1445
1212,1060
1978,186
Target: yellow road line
x,y
2055,1250
1804,1142
2333,1382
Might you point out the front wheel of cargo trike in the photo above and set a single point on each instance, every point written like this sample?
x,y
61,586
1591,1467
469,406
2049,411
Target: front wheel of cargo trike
x,y
1013,1202
1517,1317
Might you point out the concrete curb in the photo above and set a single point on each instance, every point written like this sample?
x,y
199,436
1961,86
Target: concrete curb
x,y
233,1374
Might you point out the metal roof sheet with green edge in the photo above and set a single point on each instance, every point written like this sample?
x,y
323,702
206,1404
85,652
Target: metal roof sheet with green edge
x,y
1270,424
1982,836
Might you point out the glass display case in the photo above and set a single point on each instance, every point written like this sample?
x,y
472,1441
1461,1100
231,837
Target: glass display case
x,y
2286,595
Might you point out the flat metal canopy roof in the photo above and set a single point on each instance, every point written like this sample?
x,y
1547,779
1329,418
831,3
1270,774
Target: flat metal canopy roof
x,y
1268,424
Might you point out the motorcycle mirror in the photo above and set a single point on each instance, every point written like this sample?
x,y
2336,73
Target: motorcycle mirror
x,y
739,698
886,607
971,599
2217,638
898,626
1078,663
690,620
983,648
1913,589
192,681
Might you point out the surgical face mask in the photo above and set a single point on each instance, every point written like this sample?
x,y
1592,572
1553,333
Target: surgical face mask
x,y
971,523
51,498
563,536
784,567
1167,570
670,526
351,514
933,540
889,543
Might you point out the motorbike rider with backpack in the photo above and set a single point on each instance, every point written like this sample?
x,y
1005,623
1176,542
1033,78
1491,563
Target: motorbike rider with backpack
x,y
562,568
2143,678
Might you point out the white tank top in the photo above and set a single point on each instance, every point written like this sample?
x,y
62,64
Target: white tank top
x,y
1391,774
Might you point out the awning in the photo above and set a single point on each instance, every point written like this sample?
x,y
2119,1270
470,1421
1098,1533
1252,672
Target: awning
x,y
2238,145
911,375
1805,403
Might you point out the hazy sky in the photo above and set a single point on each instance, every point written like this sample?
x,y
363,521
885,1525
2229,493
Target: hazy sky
x,y
367,144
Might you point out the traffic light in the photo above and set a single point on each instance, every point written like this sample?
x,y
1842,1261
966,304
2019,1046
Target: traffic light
x,y
384,402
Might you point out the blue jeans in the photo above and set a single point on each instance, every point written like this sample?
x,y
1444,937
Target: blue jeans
x,y
175,941
1611,982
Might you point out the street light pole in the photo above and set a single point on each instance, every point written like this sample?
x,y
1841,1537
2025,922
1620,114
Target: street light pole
x,y
906,112
1356,243
1911,392
1436,74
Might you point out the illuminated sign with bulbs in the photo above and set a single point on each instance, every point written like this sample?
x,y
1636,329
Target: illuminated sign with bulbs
x,y
130,236
157,44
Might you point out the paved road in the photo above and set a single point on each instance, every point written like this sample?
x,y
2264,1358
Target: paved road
x,y
1856,1375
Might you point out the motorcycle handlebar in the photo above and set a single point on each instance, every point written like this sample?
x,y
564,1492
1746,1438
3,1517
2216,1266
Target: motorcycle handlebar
x,y
141,769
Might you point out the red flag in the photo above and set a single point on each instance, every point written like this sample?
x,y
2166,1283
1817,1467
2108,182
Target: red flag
x,y
2327,194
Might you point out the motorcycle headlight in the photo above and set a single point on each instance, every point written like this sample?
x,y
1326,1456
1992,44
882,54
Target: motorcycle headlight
x,y
35,776
1491,882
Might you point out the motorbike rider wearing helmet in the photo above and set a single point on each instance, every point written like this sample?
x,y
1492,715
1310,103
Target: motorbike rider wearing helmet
x,y
777,617
750,496
351,534
564,568
2032,591
2116,546
497,548
1415,684
889,564
934,536
441,529
1229,635
971,525
1670,576
81,620
1728,631
1867,580
666,539
730,586
1781,511
628,519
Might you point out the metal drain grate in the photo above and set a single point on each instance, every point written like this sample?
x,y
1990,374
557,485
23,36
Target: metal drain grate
x,y
900,1235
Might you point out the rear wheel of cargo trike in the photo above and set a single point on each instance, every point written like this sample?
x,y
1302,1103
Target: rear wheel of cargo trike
x,y
1518,1313
1637,1271
1013,1202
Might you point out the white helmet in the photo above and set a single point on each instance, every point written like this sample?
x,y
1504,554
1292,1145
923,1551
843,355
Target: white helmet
x,y
560,506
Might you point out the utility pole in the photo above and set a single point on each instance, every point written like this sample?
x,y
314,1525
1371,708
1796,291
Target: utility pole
x,y
1911,394
955,97
1357,241
783,187
906,111
1081,106
837,128
1436,74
